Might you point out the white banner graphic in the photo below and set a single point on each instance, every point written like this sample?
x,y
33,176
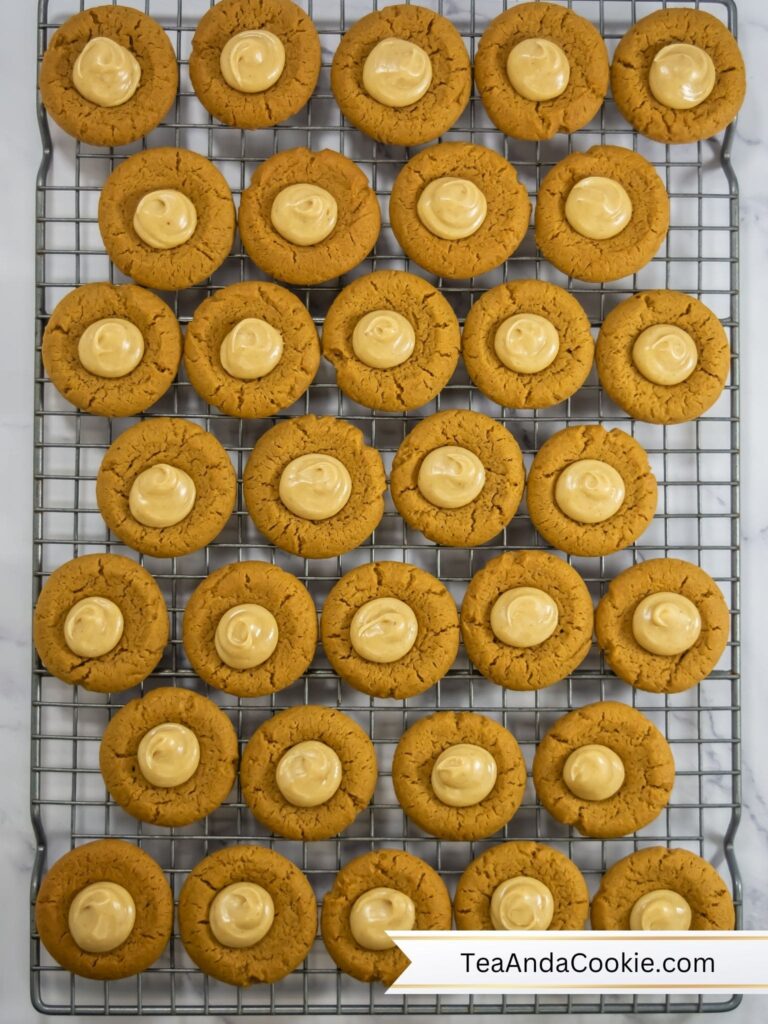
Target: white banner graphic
x,y
589,962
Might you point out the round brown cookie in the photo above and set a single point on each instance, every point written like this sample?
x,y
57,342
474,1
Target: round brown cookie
x,y
153,98
649,770
445,98
485,516
355,232
285,597
321,435
626,385
217,315
527,668
660,673
274,738
472,903
288,940
145,622
182,445
415,757
658,867
587,84
437,639
178,170
556,382
502,230
392,869
137,390
208,786
605,259
622,453
635,54
425,372
292,89
106,860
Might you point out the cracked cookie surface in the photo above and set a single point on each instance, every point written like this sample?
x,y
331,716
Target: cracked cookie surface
x,y
179,170
626,385
286,943
634,56
558,381
622,453
106,860
436,352
103,396
280,593
472,903
527,668
658,867
184,446
274,738
502,230
437,640
145,622
217,315
414,759
110,126
485,516
659,673
208,786
606,259
649,770
393,869
290,92
587,56
305,435
354,235
444,100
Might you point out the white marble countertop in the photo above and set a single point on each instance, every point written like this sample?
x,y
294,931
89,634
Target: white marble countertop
x,y
19,155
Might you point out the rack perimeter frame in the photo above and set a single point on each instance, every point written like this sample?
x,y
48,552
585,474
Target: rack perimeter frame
x,y
67,795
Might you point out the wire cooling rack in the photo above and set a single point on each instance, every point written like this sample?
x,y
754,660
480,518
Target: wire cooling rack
x,y
696,464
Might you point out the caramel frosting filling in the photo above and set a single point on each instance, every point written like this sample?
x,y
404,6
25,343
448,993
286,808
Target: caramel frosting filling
x,y
162,496
378,911
304,214
666,623
383,630
309,773
383,339
665,354
452,208
101,917
168,755
106,73
241,914
93,627
252,61
463,775
681,76
538,69
522,904
593,772
252,349
451,476
246,636
527,343
598,208
661,910
165,219
315,486
111,347
589,491
524,617
397,72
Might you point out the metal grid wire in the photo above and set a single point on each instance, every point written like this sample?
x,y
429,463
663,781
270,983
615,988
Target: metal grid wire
x,y
696,464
